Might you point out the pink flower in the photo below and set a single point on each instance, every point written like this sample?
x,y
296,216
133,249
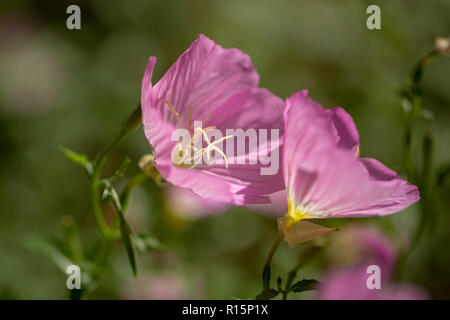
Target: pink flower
x,y
217,86
350,282
324,175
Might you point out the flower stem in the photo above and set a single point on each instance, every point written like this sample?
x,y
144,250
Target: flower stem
x,y
132,123
266,273
274,248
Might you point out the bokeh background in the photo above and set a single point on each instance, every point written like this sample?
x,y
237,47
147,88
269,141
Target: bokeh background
x,y
76,87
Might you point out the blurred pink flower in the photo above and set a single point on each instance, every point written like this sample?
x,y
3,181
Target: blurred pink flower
x,y
219,86
350,282
188,205
324,175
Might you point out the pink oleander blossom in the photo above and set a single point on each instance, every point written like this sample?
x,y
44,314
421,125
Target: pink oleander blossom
x,y
324,175
219,87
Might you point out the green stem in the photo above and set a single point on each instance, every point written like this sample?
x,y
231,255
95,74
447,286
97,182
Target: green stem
x,y
414,95
266,272
106,231
274,248
426,190
130,125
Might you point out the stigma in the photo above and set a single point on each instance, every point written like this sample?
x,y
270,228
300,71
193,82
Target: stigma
x,y
187,156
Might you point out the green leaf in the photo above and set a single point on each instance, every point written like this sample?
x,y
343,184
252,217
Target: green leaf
x,y
125,230
78,158
279,281
267,294
126,237
266,276
304,285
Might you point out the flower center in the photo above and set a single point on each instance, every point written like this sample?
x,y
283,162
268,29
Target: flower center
x,y
295,214
189,155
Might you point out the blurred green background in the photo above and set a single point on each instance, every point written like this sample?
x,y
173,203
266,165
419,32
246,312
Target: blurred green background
x,y
75,88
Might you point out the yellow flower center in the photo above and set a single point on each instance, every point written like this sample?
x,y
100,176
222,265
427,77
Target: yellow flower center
x,y
295,214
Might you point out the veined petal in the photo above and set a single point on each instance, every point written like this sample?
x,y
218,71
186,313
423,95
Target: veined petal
x,y
346,133
218,86
202,79
323,176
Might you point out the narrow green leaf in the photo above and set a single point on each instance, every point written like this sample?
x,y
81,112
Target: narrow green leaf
x,y
78,158
304,285
279,282
267,294
266,276
126,237
125,230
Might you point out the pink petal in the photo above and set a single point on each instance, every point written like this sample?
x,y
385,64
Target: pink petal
x,y
347,135
208,81
203,78
325,178
277,207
